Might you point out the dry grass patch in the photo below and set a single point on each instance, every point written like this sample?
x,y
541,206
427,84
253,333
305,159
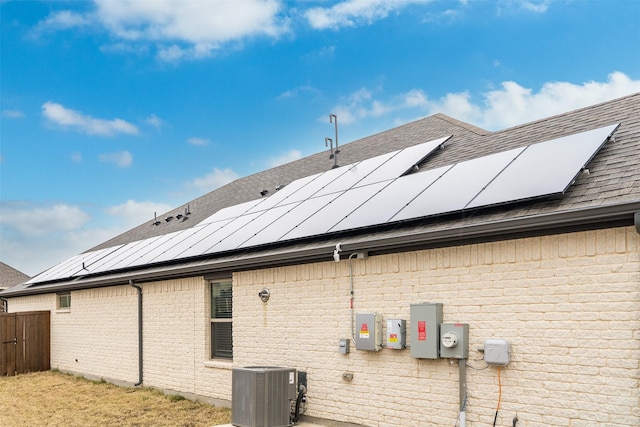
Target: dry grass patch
x,y
57,399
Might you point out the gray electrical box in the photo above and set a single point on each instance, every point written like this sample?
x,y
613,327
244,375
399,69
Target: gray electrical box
x,y
343,346
396,333
261,396
454,340
425,330
368,331
496,352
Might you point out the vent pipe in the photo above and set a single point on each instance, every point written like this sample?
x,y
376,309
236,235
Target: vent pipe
x,y
334,119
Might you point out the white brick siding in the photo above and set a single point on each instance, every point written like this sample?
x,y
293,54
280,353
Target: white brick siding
x,y
569,305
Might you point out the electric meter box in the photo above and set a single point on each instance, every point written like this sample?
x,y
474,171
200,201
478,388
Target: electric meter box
x,y
454,340
396,333
368,331
425,321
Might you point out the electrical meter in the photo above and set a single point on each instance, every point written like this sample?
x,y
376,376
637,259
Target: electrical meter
x,y
454,340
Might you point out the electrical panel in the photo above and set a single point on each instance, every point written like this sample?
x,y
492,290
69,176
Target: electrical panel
x,y
454,340
396,333
496,352
368,331
425,330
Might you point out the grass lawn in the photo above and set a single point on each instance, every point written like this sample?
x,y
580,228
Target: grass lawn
x,y
56,399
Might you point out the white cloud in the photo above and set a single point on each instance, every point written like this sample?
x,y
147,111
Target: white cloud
x,y
214,179
510,105
513,104
63,20
192,28
12,114
38,220
37,237
154,121
350,13
67,118
201,142
122,159
287,157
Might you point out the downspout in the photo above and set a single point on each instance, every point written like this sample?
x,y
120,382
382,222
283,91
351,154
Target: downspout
x,y
139,289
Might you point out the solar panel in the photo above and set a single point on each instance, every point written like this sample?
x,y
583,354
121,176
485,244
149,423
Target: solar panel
x,y
55,271
544,168
458,186
367,193
403,161
116,258
215,236
232,211
296,215
321,220
285,195
200,233
380,208
253,227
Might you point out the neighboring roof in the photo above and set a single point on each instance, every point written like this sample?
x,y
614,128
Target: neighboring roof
x,y
608,194
9,276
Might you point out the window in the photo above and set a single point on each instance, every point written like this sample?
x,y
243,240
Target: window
x,y
221,320
64,301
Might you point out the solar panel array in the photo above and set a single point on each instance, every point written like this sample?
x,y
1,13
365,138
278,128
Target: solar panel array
x,y
375,191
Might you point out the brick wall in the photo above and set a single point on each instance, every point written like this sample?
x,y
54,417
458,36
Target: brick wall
x,y
569,305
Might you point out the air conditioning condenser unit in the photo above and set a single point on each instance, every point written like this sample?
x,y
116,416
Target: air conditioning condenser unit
x,y
261,396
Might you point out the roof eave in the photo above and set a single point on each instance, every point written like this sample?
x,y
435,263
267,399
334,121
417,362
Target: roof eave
x,y
547,223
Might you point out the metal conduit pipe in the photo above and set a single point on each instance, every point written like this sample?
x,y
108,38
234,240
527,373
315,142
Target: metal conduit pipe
x,y
139,289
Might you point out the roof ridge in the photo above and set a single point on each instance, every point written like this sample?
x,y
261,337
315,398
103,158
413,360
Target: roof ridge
x,y
470,127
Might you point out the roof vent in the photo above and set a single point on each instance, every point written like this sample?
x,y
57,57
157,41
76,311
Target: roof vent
x,y
264,192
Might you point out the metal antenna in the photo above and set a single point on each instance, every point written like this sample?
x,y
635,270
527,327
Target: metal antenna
x,y
334,119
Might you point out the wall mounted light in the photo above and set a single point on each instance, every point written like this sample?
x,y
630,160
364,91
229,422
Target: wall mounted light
x,y
264,294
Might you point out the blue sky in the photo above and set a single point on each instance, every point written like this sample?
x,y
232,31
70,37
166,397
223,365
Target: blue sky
x,y
112,110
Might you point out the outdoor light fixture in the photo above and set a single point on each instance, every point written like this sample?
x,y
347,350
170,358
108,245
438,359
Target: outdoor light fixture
x,y
264,294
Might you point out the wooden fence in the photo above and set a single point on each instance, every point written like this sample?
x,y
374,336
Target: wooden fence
x,y
25,341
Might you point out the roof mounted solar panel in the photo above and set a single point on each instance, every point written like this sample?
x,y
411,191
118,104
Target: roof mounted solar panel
x,y
458,186
255,226
208,243
285,194
297,214
54,272
197,234
386,203
232,211
116,259
355,174
323,219
80,265
545,168
403,161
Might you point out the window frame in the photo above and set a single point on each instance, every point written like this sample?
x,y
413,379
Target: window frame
x,y
63,296
218,317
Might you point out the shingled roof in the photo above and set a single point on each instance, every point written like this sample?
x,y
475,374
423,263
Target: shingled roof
x,y
9,276
609,194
